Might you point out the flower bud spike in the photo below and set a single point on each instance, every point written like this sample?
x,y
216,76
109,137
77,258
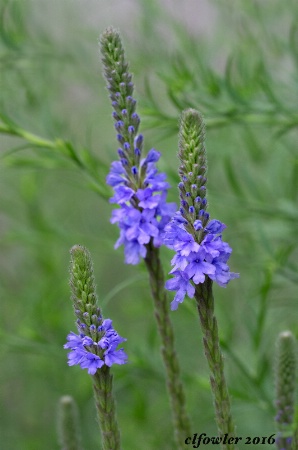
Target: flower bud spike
x,y
68,424
82,280
120,86
285,387
200,258
95,347
192,153
136,175
193,205
140,191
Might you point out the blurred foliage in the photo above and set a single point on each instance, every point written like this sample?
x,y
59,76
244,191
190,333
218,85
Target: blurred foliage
x,y
57,141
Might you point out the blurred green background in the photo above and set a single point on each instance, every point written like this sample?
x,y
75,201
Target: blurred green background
x,y
237,62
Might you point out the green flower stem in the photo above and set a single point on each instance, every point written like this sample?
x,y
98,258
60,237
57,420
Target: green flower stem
x,y
106,409
29,137
205,305
87,311
68,424
120,87
286,375
174,384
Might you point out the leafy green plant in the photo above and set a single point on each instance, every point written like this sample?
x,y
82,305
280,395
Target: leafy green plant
x,y
56,145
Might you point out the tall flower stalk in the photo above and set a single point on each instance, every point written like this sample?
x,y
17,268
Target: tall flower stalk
x,y
286,375
201,258
140,192
95,347
68,424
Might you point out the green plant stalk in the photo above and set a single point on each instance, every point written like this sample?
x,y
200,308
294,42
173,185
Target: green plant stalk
x,y
106,409
120,87
87,311
14,130
68,424
263,308
205,305
164,325
286,376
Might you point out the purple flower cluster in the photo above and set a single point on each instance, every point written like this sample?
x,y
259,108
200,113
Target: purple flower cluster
x,y
141,195
139,189
193,260
93,354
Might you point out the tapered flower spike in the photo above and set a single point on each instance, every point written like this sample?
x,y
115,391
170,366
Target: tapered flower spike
x,y
120,87
140,191
68,424
95,347
285,385
201,257
200,251
193,167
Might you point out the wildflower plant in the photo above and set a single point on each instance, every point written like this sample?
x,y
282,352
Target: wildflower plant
x,y
254,89
95,346
201,256
140,191
200,251
69,432
286,379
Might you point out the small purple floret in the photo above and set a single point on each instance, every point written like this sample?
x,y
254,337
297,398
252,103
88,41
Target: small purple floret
x,y
182,285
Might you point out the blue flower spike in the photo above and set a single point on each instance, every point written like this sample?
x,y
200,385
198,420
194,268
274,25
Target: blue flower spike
x,y
201,258
197,240
97,342
95,347
140,190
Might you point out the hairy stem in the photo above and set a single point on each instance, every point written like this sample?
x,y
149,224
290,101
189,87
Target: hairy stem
x,y
68,424
174,384
205,305
106,409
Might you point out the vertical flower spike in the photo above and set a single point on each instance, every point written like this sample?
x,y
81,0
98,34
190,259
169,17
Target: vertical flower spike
x,y
286,375
200,251
139,189
193,168
200,258
68,424
95,347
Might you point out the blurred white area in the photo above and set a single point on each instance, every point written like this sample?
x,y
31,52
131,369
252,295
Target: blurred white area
x,y
198,16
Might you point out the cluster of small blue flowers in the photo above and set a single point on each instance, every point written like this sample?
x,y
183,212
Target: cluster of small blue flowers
x,y
200,251
139,189
143,211
92,355
193,261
